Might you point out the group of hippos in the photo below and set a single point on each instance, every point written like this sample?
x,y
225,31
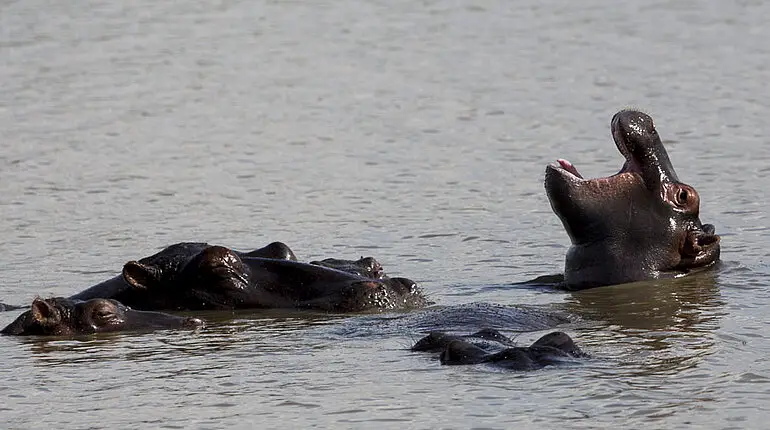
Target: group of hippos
x,y
638,224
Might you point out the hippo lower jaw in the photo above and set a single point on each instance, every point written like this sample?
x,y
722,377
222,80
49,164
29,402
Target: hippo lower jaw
x,y
569,170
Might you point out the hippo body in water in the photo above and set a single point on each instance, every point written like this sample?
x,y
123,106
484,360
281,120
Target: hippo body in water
x,y
197,276
638,224
491,347
60,316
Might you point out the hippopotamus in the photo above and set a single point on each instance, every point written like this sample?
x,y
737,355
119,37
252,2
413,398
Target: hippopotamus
x,y
641,223
492,347
167,263
59,316
198,276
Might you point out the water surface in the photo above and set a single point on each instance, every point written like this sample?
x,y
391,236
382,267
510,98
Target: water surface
x,y
416,132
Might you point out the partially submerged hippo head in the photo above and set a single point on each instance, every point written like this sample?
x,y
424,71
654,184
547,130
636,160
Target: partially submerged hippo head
x,y
161,271
60,316
220,278
492,347
638,224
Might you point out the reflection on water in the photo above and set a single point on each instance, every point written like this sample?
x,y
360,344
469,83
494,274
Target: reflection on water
x,y
465,318
265,330
686,304
666,325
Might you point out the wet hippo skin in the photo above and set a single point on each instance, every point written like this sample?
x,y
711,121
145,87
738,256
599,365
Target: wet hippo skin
x,y
61,316
638,224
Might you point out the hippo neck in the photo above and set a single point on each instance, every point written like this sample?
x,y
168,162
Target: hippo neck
x,y
585,264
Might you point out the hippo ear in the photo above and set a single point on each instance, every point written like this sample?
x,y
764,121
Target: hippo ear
x,y
560,341
276,250
140,275
43,312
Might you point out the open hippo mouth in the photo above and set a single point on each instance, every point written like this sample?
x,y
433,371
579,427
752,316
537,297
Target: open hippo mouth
x,y
631,170
636,224
571,172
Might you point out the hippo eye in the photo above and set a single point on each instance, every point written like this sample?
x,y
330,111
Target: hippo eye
x,y
681,198
103,313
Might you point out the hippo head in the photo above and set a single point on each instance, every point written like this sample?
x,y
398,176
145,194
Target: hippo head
x,y
213,278
220,278
60,316
638,224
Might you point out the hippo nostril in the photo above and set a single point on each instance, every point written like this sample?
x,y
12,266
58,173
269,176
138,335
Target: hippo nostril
x,y
369,262
371,266
706,240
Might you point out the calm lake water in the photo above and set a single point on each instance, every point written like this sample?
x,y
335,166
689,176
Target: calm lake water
x,y
413,131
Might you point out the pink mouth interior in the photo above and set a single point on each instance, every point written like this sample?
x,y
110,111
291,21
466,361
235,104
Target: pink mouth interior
x,y
628,166
566,165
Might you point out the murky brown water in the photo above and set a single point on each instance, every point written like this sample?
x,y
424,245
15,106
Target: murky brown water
x,y
416,132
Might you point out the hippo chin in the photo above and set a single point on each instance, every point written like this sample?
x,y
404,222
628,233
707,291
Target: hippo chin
x,y
638,224
491,347
200,276
60,316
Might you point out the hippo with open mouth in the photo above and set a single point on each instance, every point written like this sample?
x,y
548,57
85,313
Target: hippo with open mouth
x,y
59,316
638,224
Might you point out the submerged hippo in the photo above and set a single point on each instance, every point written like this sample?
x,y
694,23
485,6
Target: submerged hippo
x,y
199,276
638,224
60,316
492,347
